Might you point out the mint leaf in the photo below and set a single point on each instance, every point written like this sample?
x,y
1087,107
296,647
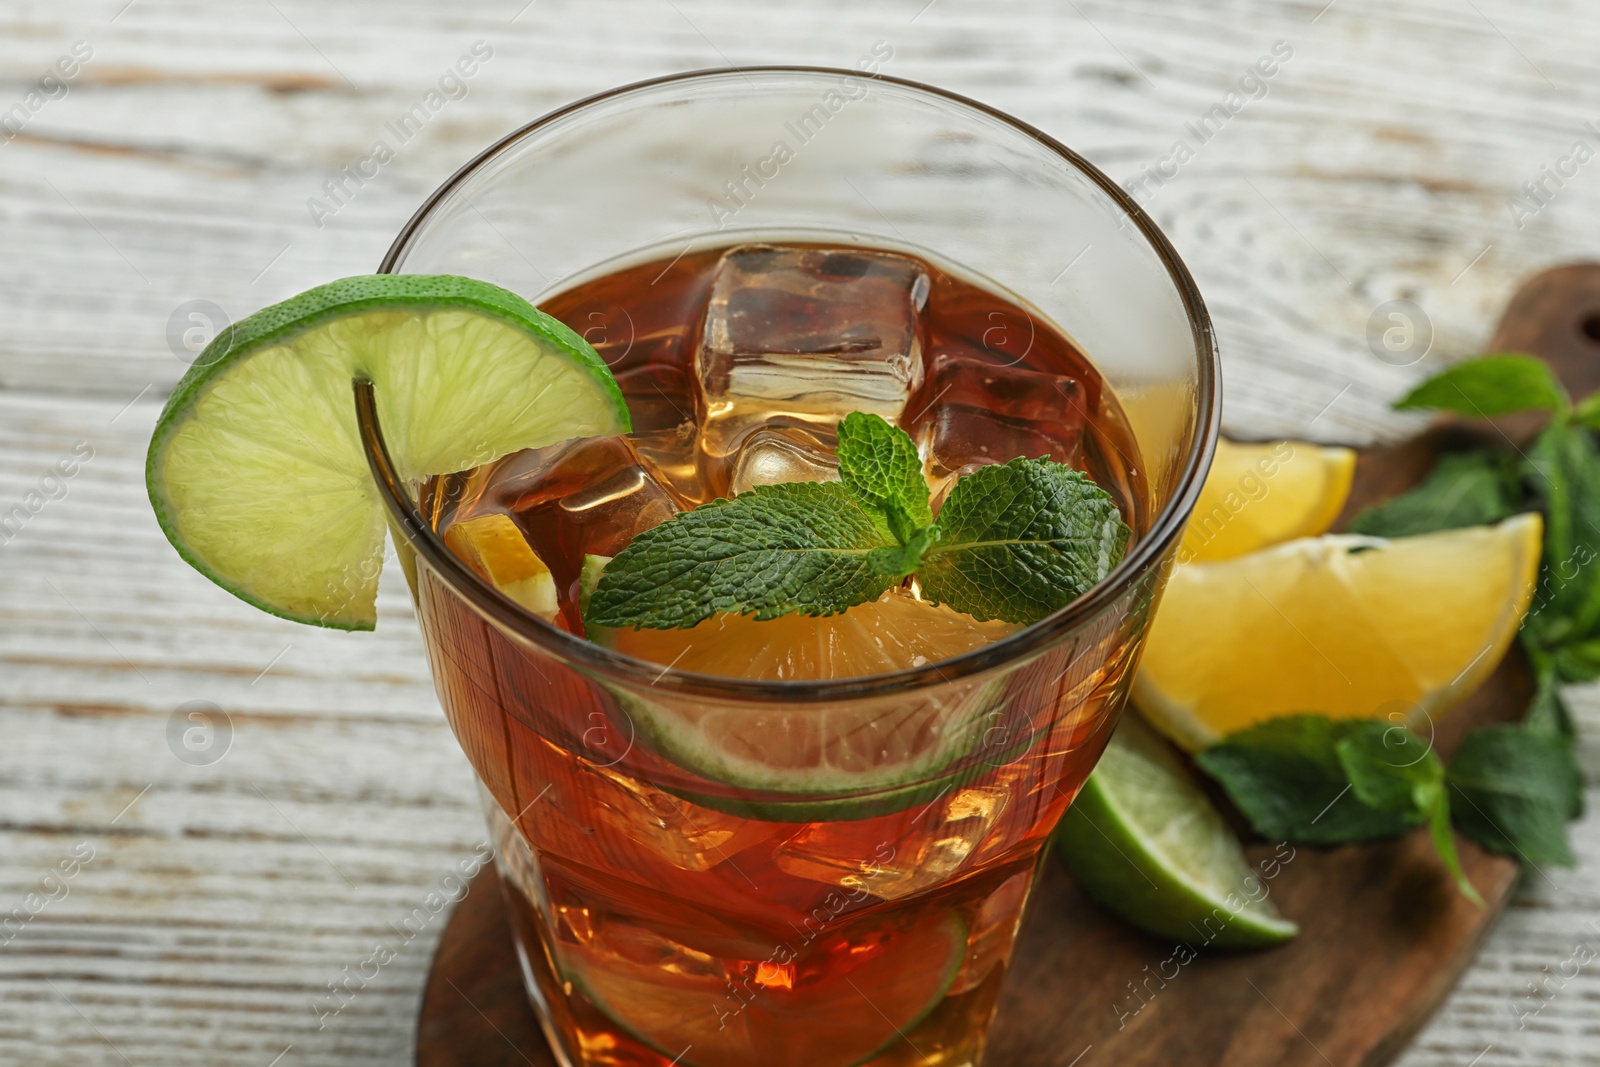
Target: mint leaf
x,y
1562,472
880,465
1464,489
1020,540
1444,843
1392,769
898,561
1288,779
1319,781
1576,661
1490,385
1514,790
796,547
1548,712
1014,542
1587,412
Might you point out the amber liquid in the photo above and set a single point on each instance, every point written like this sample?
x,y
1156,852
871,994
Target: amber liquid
x,y
664,917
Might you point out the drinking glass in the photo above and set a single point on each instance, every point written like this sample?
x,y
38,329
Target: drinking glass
x,y
662,916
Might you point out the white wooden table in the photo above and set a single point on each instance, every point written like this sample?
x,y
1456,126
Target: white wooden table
x,y
176,165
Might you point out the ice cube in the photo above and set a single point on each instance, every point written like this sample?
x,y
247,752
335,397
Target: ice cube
x,y
992,932
782,454
980,412
661,401
931,847
593,495
660,396
802,337
685,835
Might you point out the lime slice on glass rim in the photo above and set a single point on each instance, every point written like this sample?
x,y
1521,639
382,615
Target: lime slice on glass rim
x,y
256,470
1146,843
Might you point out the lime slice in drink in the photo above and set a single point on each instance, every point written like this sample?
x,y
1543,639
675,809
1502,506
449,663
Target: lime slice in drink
x,y
1145,842
256,470
844,1001
795,761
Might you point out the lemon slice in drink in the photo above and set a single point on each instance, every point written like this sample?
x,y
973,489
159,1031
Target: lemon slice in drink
x,y
493,547
892,633
1145,842
1262,494
256,470
1350,627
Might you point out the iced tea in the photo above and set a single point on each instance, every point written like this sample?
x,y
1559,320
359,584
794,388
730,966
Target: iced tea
x,y
760,878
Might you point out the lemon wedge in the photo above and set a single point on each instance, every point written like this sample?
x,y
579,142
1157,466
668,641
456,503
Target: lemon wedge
x,y
1346,626
494,547
1262,494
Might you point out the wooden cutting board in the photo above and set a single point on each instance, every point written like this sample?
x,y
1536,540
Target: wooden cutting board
x,y
1384,934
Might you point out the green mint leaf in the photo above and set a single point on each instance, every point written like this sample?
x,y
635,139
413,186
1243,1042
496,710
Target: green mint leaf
x,y
878,462
1288,779
796,547
1577,661
1514,790
1588,411
1014,542
1314,780
1444,843
1390,768
1562,472
1020,540
1548,712
898,561
1465,489
1490,385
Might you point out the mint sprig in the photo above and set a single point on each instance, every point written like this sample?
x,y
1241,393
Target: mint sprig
x,y
1314,780
1515,787
1014,541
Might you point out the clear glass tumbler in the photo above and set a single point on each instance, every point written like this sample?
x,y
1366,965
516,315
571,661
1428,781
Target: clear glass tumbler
x,y
664,917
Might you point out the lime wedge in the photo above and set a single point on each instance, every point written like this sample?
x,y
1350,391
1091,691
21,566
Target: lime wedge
x,y
842,1003
256,470
1146,843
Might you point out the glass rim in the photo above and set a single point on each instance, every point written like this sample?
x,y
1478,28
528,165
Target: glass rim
x,y
593,658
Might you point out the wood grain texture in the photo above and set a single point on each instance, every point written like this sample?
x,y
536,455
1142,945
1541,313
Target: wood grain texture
x,y
226,897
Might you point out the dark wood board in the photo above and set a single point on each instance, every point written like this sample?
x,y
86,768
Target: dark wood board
x,y
1384,934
